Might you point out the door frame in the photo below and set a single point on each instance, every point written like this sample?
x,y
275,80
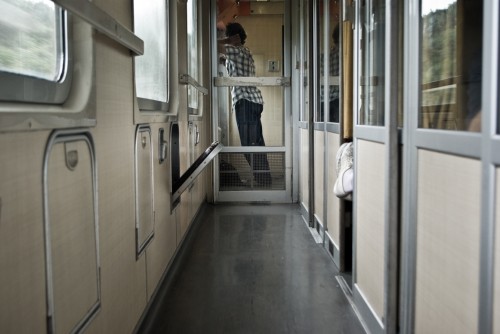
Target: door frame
x,y
275,196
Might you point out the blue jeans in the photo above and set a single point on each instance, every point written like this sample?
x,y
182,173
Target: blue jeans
x,y
250,130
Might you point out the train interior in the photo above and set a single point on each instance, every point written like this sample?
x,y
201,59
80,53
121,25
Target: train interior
x,y
130,203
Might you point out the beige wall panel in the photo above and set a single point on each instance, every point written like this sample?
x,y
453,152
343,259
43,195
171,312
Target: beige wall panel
x,y
144,187
200,192
114,92
319,167
72,235
190,204
197,186
22,260
123,276
496,300
264,49
161,249
183,208
370,192
121,10
196,196
333,206
448,226
304,168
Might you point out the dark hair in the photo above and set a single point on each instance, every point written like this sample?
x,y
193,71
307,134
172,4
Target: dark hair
x,y
234,28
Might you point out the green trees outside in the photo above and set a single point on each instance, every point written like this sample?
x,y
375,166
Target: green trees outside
x,y
439,35
28,39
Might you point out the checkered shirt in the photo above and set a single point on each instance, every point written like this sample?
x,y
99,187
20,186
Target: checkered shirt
x,y
239,63
333,91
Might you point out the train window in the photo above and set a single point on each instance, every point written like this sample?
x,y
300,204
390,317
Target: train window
x,y
450,63
151,69
34,54
192,51
372,63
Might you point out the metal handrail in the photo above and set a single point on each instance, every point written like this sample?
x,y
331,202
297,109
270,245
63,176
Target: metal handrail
x,y
251,81
186,79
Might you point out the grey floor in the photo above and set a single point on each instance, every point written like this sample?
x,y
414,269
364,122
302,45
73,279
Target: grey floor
x,y
253,269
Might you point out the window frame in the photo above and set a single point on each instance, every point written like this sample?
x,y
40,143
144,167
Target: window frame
x,y
149,109
78,108
194,111
12,85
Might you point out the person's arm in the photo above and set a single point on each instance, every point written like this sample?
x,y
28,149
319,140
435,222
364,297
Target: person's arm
x,y
221,46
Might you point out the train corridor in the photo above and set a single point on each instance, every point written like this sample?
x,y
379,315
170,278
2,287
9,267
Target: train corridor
x,y
251,269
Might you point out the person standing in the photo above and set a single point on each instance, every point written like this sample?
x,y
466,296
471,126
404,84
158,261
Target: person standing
x,y
246,100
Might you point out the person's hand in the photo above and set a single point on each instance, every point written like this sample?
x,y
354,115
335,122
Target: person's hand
x,y
221,25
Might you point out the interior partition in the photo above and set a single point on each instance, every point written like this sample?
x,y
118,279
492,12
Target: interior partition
x,y
448,229
319,184
369,224
333,202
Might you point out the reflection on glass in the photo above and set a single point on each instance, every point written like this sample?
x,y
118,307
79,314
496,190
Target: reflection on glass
x,y
319,76
372,63
192,45
304,61
151,68
451,51
30,39
264,43
329,66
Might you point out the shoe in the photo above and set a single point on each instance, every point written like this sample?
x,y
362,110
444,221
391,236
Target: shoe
x,y
339,155
344,185
345,175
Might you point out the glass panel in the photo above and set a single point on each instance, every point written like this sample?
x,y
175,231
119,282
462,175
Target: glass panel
x,y
451,60
31,39
271,119
320,75
192,45
263,54
304,59
372,63
329,71
151,68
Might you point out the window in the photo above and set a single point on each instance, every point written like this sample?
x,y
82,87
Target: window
x,y
329,64
372,63
34,53
450,63
192,51
151,69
